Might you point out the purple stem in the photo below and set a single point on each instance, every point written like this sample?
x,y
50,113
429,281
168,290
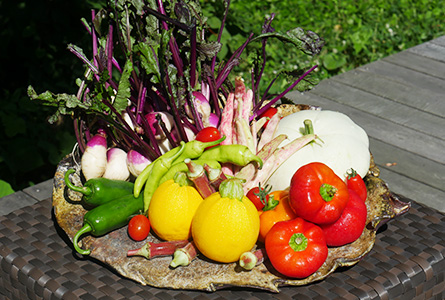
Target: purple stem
x,y
193,56
272,102
231,63
220,32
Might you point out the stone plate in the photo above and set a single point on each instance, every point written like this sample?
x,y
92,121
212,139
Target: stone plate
x,y
203,274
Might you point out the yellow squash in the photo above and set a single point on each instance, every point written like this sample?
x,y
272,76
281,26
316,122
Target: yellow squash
x,y
226,224
172,208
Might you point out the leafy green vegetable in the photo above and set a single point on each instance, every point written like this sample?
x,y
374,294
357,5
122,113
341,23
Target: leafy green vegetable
x,y
167,52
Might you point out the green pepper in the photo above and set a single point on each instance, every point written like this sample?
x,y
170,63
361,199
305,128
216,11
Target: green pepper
x,y
182,167
192,150
97,191
159,169
239,155
108,217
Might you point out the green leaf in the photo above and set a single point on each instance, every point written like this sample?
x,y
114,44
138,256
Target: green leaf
x,y
5,189
124,92
333,61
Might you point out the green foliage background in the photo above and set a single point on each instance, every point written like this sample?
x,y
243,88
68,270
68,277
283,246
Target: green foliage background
x,y
34,36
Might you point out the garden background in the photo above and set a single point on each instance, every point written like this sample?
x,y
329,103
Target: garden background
x,y
34,36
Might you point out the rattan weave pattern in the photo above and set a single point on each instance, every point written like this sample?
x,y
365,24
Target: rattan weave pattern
x,y
37,262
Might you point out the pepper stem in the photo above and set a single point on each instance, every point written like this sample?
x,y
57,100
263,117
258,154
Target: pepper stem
x,y
232,188
85,229
83,190
298,242
327,192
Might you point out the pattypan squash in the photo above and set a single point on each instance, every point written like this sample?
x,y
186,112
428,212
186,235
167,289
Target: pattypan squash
x,y
341,145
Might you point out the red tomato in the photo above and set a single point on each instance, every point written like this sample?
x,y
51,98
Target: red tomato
x,y
355,182
208,134
261,199
269,113
349,227
139,227
296,248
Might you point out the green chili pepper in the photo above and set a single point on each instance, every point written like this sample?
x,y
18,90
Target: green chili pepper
x,y
239,155
97,191
160,167
182,167
193,149
108,217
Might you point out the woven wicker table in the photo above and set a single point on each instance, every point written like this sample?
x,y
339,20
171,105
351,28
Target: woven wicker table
x,y
37,262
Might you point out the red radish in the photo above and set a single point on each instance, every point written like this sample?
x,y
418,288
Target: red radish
x,y
136,162
116,165
154,124
94,159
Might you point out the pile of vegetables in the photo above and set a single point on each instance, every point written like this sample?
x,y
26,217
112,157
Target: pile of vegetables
x,y
171,146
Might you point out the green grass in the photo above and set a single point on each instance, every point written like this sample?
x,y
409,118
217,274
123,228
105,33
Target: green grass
x,y
355,33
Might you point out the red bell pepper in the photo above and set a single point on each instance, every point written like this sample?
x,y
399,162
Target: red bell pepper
x,y
349,227
317,194
296,248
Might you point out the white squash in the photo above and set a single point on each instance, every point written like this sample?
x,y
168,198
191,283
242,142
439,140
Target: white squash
x,y
342,145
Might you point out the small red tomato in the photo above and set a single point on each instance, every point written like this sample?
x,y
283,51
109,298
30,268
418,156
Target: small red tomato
x,y
139,227
261,199
355,182
208,134
269,113
350,225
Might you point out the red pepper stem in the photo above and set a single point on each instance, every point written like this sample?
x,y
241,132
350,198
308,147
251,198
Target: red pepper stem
x,y
184,256
298,242
249,260
327,192
151,249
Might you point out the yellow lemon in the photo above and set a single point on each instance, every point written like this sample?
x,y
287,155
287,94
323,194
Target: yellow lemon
x,y
171,210
223,228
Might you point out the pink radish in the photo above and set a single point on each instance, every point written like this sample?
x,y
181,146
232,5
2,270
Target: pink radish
x,y
116,165
136,162
94,159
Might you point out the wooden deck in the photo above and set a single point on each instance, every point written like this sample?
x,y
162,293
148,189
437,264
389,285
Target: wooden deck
x,y
399,101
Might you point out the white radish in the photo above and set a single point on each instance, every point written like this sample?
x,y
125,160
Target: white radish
x,y
116,165
136,162
94,159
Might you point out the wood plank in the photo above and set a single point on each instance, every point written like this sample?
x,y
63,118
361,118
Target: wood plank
x,y
407,76
431,50
381,107
380,129
413,189
40,191
417,63
15,201
386,87
408,164
439,41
